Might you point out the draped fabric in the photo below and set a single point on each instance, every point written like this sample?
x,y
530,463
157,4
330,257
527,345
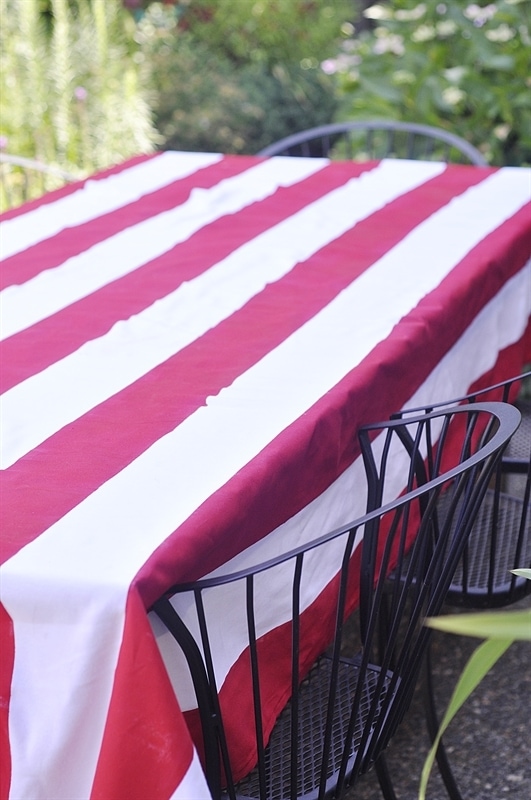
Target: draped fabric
x,y
189,345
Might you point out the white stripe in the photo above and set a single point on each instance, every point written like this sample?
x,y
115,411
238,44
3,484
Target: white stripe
x,y
72,645
55,289
501,323
96,198
194,785
46,402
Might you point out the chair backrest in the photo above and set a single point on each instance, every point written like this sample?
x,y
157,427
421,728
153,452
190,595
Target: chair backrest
x,y
251,636
373,139
23,179
501,538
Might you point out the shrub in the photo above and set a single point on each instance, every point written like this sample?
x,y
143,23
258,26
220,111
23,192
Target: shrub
x,y
225,79
463,67
69,84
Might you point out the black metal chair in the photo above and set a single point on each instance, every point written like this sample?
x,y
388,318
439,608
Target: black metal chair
x,y
344,709
500,538
374,139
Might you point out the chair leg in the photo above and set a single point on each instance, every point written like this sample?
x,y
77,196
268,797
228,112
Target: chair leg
x,y
433,726
384,778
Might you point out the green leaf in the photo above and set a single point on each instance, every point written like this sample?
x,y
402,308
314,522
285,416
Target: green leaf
x,y
493,625
522,573
502,63
479,663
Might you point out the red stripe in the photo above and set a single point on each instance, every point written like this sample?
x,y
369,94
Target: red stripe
x,y
69,242
7,658
35,348
46,483
146,749
70,188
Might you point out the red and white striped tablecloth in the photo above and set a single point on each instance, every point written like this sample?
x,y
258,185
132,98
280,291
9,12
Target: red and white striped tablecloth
x,y
189,345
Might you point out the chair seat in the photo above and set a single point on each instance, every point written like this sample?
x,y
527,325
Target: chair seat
x,y
488,574
480,573
518,447
313,705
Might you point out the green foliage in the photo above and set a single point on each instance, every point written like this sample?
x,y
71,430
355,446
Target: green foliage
x,y
224,78
69,84
501,628
459,66
266,31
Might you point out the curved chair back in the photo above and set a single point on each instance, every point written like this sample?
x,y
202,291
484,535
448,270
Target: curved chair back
x,y
374,139
272,636
500,540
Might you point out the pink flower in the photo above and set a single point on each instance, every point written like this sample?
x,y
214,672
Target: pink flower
x,y
80,93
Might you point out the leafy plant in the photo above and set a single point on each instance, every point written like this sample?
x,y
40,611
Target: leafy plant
x,y
70,91
233,76
266,31
501,629
463,67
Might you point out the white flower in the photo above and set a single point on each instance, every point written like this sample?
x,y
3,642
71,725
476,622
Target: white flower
x,y
329,66
452,95
503,33
472,11
502,132
378,12
478,15
423,33
343,63
454,74
415,13
403,76
391,43
446,28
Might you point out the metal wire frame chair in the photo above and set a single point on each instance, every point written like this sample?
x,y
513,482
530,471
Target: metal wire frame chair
x,y
23,178
374,139
342,711
500,538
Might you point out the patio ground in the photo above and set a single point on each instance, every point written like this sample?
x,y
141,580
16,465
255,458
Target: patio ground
x,y
489,741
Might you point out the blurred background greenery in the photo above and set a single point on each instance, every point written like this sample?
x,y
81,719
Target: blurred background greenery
x,y
87,83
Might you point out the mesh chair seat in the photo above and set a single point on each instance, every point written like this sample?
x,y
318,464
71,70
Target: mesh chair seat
x,y
518,447
313,701
500,540
488,566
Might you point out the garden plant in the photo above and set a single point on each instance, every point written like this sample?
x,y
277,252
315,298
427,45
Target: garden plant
x,y
499,629
71,92
459,66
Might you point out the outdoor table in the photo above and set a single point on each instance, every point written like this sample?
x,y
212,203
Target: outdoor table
x,y
190,343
